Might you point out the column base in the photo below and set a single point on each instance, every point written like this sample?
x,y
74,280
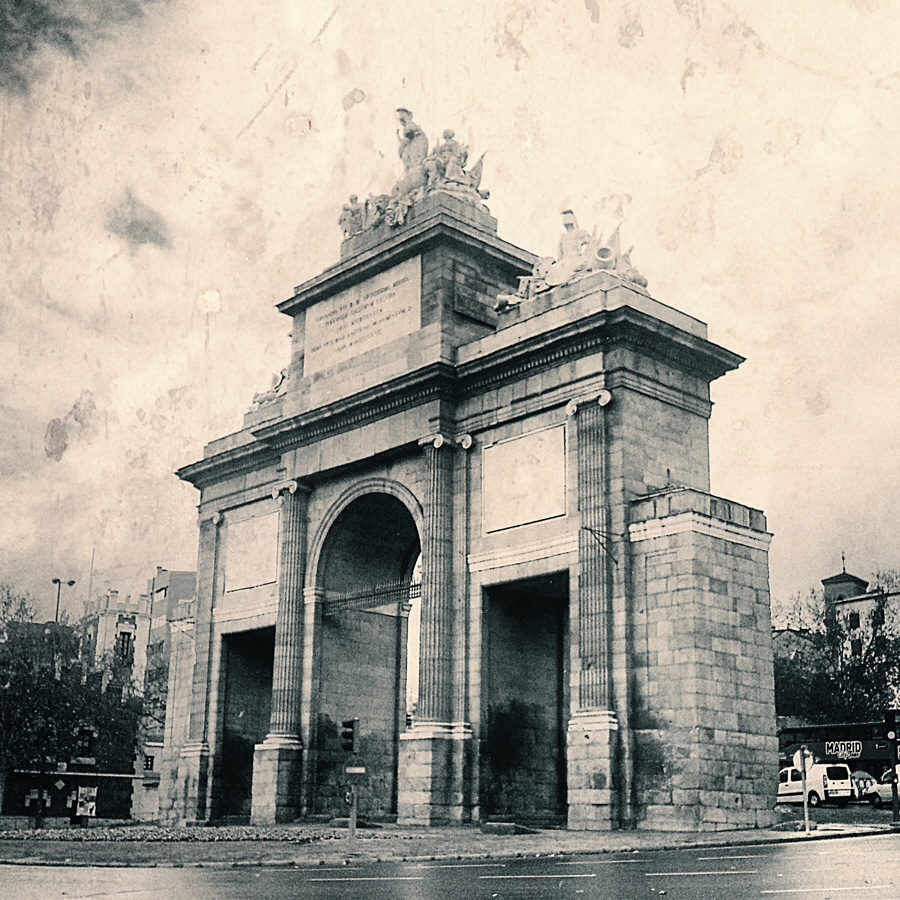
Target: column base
x,y
276,780
192,783
591,743
435,767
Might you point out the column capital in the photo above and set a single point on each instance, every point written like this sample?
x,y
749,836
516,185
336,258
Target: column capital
x,y
436,440
604,398
214,518
292,487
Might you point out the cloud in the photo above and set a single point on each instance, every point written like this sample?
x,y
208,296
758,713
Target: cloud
x,y
30,27
138,223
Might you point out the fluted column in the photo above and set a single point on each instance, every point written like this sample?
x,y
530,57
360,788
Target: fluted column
x,y
437,584
592,734
287,670
593,552
278,760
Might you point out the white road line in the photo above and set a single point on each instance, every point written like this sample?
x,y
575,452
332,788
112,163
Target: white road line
x,y
714,858
461,866
686,874
511,877
602,862
372,878
829,890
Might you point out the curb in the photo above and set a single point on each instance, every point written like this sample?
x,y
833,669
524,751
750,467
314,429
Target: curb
x,y
296,863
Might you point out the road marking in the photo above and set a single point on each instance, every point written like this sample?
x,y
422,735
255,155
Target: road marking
x,y
829,890
686,874
602,862
462,866
373,878
714,858
511,877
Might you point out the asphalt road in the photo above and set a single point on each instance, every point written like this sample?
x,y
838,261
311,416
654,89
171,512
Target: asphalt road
x,y
864,867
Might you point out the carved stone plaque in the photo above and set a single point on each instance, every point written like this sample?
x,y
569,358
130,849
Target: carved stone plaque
x,y
361,318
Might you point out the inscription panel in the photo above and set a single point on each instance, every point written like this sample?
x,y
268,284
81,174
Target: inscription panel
x,y
524,479
374,312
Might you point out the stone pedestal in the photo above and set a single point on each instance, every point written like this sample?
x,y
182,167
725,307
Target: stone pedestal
x,y
434,760
193,778
591,741
276,780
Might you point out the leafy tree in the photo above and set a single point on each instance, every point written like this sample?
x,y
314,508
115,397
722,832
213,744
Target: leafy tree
x,y
840,674
48,699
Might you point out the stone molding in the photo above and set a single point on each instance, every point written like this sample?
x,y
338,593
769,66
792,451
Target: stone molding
x,y
274,741
697,523
498,559
450,731
585,719
194,749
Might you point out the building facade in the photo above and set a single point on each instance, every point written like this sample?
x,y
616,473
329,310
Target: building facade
x,y
592,639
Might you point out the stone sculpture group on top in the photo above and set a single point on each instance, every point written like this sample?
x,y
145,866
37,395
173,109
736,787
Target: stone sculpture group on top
x,y
442,169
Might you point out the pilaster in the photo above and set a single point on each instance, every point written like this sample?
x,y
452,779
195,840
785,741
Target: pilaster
x,y
194,768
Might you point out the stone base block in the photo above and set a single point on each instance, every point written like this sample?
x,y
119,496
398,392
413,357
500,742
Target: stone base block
x,y
435,761
276,781
592,800
192,783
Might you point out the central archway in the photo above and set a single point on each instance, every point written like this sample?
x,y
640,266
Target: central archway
x,y
367,575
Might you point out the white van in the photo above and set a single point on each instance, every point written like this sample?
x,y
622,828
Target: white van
x,y
825,782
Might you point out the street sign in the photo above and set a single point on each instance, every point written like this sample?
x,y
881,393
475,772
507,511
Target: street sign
x,y
798,758
354,770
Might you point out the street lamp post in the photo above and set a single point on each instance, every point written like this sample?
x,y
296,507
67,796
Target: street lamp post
x,y
58,582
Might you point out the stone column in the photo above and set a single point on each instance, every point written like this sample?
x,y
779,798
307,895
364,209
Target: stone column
x,y
437,585
592,729
193,768
430,790
277,761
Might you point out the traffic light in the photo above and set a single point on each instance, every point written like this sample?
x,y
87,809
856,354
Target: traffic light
x,y
350,735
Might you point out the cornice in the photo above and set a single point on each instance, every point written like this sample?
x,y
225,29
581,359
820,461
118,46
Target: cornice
x,y
435,382
237,461
605,329
409,242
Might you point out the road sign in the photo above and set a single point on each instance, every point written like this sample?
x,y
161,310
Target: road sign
x,y
798,758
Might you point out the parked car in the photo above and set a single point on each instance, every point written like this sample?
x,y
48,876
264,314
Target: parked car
x,y
882,793
825,783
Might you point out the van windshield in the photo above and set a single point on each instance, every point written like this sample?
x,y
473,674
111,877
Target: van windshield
x,y
837,773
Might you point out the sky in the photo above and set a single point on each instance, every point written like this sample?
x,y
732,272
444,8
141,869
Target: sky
x,y
169,171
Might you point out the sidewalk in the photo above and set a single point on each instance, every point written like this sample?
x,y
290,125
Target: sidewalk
x,y
305,845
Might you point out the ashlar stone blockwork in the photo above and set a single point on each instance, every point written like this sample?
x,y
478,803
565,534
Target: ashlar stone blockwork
x,y
476,549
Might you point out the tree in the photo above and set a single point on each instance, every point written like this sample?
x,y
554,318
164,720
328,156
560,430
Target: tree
x,y
839,673
49,699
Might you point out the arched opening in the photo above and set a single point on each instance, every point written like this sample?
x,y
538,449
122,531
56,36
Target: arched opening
x,y
370,574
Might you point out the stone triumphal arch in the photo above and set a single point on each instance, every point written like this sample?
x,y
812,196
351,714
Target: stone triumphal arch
x,y
474,513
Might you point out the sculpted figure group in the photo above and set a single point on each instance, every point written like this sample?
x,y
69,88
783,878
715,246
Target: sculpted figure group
x,y
442,169
580,254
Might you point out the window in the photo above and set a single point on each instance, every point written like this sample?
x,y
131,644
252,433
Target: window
x,y
878,616
782,776
148,762
853,619
125,646
856,647
796,775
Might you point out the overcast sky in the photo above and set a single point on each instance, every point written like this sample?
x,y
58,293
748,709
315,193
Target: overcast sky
x,y
170,170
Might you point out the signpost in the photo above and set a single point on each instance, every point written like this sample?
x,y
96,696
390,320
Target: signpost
x,y
802,760
890,720
354,773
